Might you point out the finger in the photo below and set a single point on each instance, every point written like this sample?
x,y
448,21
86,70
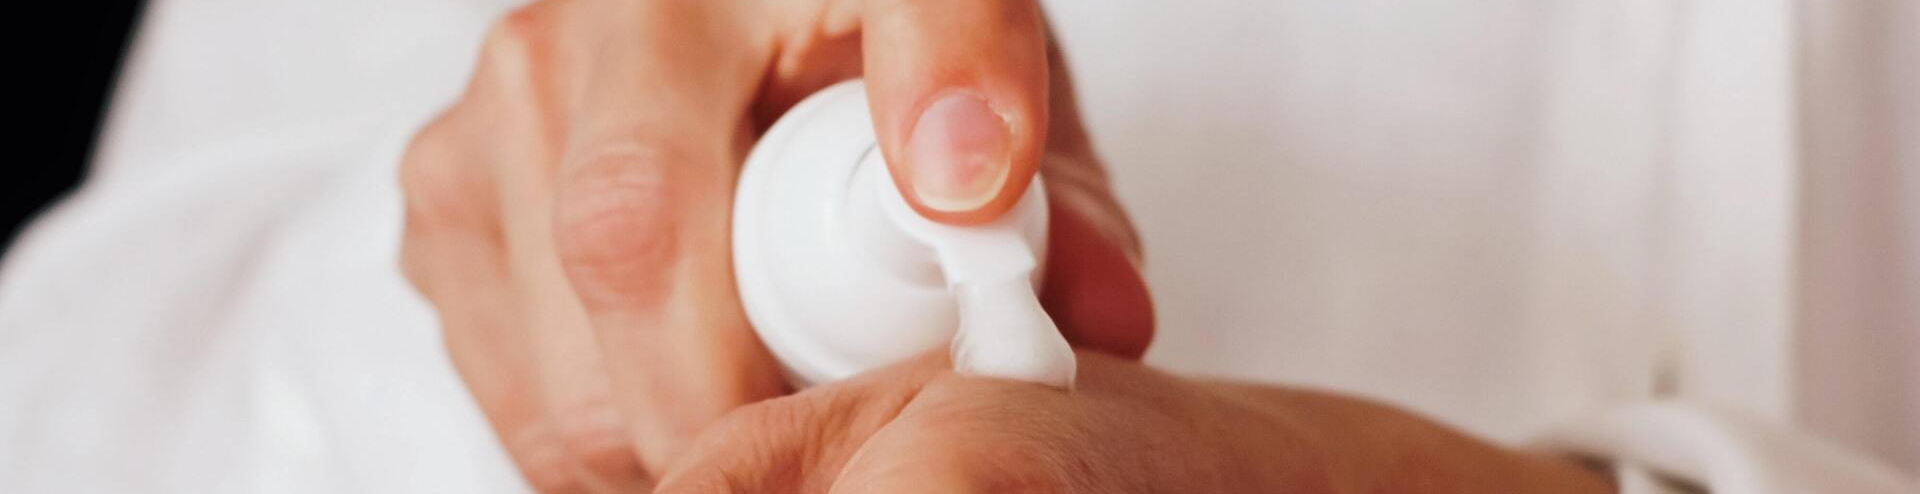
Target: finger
x,y
641,216
1094,287
452,251
958,90
531,360
797,443
1093,290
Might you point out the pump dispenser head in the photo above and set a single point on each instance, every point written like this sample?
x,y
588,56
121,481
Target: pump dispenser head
x,y
839,275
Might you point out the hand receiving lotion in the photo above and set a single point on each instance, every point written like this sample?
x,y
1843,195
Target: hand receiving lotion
x,y
839,275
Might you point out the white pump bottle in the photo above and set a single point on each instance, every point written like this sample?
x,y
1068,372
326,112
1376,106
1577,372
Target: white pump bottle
x,y
839,275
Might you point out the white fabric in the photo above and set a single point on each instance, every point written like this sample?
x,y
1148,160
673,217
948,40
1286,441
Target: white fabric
x,y
1507,213
1719,451
1529,219
217,310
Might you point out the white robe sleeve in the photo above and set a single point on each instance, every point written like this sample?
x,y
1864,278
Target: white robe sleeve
x,y
1671,447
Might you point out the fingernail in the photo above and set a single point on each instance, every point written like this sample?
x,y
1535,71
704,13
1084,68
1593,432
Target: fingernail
x,y
958,153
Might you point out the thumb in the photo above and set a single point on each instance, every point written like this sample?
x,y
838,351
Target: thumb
x,y
958,90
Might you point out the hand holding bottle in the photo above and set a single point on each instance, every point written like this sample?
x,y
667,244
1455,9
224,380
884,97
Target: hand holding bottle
x,y
568,215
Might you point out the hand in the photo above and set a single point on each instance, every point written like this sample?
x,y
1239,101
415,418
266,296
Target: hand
x,y
917,427
567,216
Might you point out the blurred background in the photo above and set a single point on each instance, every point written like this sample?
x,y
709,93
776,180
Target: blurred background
x,y
1725,178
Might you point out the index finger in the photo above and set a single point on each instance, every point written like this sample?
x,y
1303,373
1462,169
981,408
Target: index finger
x,y
641,217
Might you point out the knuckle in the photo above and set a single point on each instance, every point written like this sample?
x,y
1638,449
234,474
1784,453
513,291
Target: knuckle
x,y
413,265
541,461
512,45
595,439
515,72
433,199
431,179
514,32
616,221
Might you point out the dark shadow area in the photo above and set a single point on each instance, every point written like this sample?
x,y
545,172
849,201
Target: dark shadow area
x,y
67,58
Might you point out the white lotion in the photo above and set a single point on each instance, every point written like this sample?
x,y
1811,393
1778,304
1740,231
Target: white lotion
x,y
1003,332
838,275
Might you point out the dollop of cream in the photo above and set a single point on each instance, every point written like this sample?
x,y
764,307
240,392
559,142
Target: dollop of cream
x,y
1005,333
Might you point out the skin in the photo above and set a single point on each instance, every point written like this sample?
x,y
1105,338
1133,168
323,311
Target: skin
x,y
917,427
567,218
567,215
